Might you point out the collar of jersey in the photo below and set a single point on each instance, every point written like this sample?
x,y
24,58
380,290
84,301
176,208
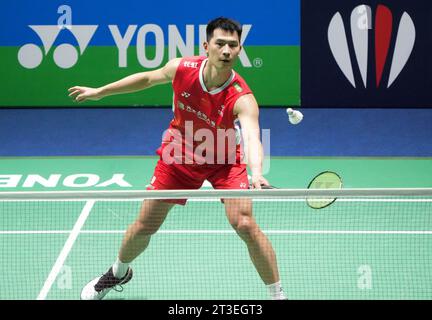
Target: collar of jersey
x,y
217,90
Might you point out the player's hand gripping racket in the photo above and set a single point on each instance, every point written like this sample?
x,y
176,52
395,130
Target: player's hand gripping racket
x,y
323,180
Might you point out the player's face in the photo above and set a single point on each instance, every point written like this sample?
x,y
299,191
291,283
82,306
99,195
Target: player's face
x,y
223,49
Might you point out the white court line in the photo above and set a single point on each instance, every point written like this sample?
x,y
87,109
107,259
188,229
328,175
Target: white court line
x,y
36,232
218,200
186,232
66,249
318,198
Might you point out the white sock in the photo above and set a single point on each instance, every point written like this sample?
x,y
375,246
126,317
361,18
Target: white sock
x,y
120,269
276,292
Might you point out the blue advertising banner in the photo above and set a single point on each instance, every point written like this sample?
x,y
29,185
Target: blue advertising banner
x,y
49,46
366,53
274,22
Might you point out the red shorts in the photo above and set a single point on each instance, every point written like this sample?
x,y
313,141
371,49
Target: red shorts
x,y
189,176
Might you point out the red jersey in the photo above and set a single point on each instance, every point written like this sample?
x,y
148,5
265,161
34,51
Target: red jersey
x,y
196,108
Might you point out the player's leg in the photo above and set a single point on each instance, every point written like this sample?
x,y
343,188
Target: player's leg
x,y
135,241
239,213
137,237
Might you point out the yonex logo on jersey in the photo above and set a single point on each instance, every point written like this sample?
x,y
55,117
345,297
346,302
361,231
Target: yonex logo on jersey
x,y
65,55
361,23
242,185
185,94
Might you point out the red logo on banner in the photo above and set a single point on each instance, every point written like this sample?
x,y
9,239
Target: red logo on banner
x,y
361,23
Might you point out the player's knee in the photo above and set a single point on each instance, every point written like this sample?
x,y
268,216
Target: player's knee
x,y
245,226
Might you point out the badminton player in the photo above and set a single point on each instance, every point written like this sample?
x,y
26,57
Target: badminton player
x,y
209,96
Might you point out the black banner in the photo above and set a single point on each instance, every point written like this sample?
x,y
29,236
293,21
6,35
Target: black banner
x,y
184,309
361,53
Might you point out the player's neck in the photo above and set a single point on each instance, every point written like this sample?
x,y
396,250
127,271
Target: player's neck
x,y
215,77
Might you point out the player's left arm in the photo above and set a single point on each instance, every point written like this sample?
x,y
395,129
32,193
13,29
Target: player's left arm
x,y
246,109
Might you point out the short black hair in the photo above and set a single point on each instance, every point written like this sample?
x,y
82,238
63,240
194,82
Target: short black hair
x,y
223,23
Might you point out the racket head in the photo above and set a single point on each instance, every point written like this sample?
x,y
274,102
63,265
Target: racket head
x,y
324,180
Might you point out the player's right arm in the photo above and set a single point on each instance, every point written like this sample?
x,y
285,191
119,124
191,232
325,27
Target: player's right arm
x,y
135,82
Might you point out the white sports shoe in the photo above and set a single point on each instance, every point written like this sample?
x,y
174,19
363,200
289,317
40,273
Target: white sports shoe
x,y
100,286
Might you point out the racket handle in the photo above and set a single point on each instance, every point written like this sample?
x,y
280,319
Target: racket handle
x,y
267,187
264,187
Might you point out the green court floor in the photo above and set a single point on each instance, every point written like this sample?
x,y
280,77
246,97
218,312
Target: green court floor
x,y
351,250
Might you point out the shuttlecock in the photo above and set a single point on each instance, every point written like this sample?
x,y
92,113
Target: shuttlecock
x,y
294,116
